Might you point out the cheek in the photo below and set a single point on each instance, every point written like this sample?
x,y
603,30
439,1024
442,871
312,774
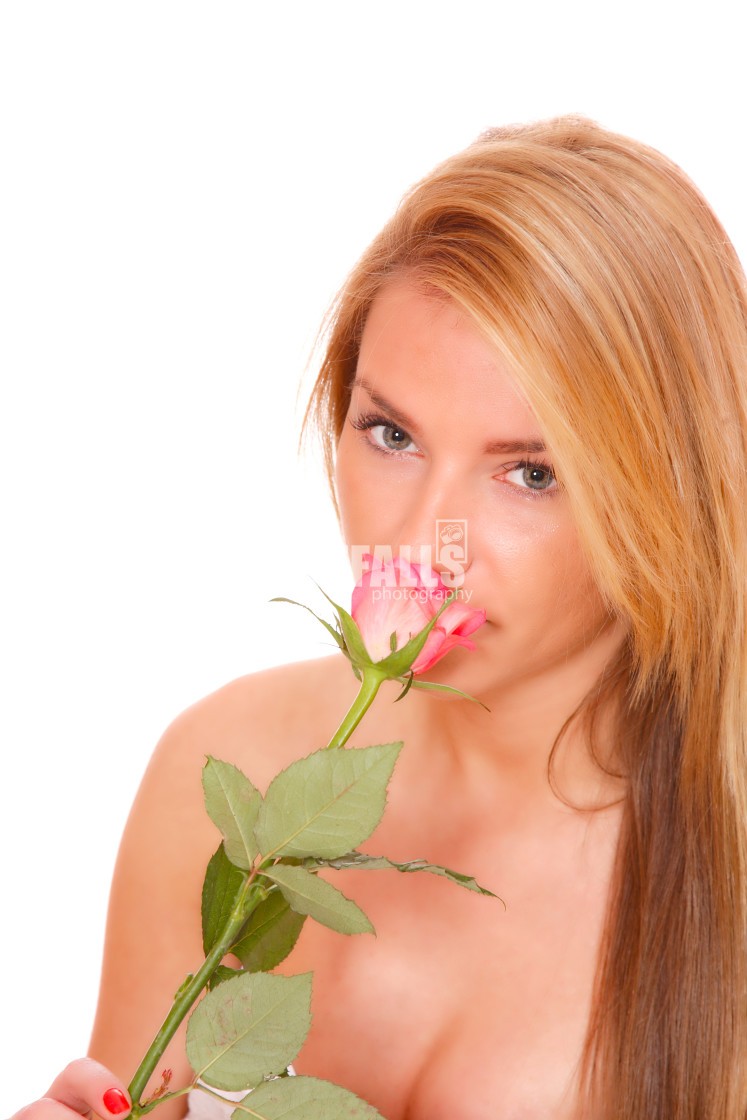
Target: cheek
x,y
538,562
356,494
577,594
374,495
525,539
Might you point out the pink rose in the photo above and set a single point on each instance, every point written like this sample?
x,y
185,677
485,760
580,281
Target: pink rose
x,y
401,598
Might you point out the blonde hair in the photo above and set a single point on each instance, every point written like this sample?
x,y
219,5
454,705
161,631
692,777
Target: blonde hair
x,y
603,278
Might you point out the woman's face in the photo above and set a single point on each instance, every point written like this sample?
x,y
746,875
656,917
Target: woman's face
x,y
437,431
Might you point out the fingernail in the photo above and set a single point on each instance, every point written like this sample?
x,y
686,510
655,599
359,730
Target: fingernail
x,y
115,1101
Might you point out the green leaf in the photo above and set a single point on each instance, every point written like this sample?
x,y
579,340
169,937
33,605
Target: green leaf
x,y
446,688
269,935
326,625
221,974
249,1027
303,1098
408,686
232,803
310,895
354,643
220,890
399,662
327,803
380,863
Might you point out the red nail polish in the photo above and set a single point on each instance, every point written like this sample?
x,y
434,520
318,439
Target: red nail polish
x,y
115,1101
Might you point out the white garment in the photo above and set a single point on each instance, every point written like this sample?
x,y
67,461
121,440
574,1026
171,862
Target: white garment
x,y
204,1106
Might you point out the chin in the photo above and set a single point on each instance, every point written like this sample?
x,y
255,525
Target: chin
x,y
461,668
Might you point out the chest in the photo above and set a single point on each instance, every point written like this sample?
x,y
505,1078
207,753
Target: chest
x,y
459,1007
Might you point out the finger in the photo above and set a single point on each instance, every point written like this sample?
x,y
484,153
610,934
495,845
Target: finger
x,y
45,1109
86,1085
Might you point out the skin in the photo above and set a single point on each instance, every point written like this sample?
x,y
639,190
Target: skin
x,y
457,1007
455,407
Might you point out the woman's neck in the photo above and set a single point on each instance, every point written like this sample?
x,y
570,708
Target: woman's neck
x,y
534,738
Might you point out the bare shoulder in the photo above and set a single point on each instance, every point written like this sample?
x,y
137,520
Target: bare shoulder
x,y
263,721
260,723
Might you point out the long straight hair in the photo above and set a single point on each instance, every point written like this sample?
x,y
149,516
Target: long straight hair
x,y
604,280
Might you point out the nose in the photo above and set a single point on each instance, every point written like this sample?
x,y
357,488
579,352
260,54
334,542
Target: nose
x,y
434,530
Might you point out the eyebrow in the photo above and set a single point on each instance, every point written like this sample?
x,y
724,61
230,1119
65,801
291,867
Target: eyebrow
x,y
494,447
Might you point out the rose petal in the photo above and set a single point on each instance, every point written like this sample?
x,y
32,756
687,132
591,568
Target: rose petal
x,y
401,597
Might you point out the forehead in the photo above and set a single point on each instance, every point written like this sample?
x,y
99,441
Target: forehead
x,y
425,355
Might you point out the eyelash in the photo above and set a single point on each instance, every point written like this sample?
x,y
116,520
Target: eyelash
x,y
367,421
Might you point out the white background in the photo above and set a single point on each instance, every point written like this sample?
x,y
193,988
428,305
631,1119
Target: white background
x,y
183,187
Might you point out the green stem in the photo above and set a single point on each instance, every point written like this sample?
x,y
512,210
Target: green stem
x,y
250,895
372,679
143,1109
247,900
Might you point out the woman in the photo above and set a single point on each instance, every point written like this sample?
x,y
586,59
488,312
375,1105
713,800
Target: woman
x,y
547,343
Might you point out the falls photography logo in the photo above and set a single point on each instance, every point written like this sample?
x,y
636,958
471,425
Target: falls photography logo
x,y
451,550
449,558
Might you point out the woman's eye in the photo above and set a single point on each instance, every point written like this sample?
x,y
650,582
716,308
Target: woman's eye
x,y
532,476
384,434
391,437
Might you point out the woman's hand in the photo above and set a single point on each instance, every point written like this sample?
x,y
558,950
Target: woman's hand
x,y
82,1087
